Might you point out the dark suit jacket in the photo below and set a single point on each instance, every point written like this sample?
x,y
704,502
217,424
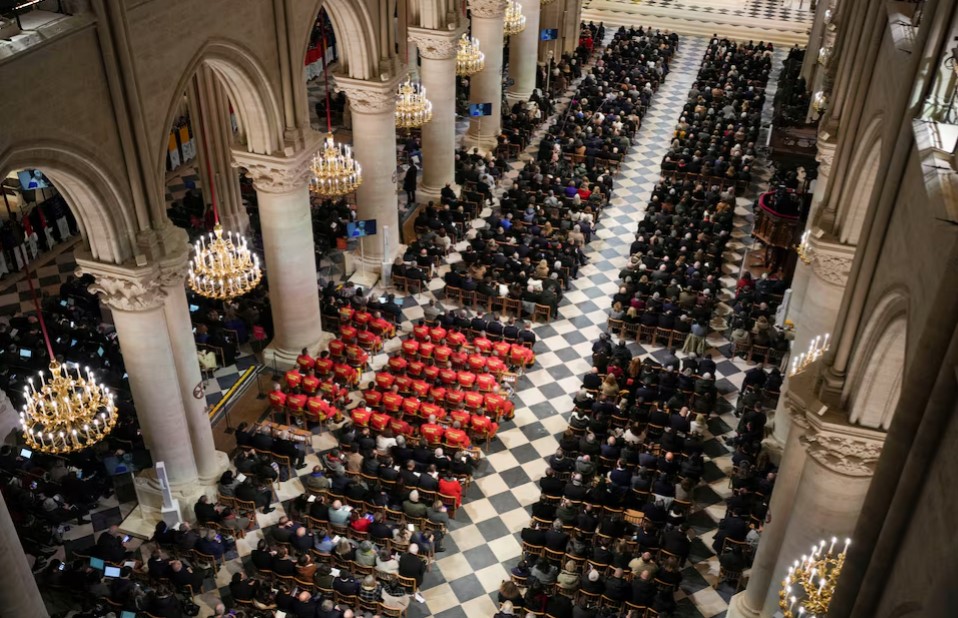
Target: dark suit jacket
x,y
412,566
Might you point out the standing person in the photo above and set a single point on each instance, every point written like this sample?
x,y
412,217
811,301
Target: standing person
x,y
409,183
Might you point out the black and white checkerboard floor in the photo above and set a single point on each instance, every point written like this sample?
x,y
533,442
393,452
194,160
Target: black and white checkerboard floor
x,y
484,541
774,10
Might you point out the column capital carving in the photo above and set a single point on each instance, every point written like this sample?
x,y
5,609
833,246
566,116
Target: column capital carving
x,y
366,97
143,286
125,288
845,454
489,9
436,44
827,435
826,150
831,260
282,173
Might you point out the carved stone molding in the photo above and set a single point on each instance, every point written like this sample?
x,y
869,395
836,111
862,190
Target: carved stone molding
x,y
126,289
831,260
832,268
435,44
845,454
825,155
489,9
369,97
278,177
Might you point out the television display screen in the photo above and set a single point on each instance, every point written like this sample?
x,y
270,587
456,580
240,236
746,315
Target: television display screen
x,y
549,34
32,179
480,109
358,229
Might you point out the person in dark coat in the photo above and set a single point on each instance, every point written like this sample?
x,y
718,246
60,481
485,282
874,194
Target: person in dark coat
x,y
409,184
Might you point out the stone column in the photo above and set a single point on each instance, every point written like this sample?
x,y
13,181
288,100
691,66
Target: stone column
x,y
437,50
523,54
486,85
210,463
825,157
282,194
824,487
374,145
826,276
136,296
19,594
748,603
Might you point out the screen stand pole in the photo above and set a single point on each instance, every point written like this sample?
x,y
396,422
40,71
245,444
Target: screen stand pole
x,y
362,255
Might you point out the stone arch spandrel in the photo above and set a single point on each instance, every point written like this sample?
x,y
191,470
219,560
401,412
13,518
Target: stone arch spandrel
x,y
103,210
356,34
860,187
248,89
878,364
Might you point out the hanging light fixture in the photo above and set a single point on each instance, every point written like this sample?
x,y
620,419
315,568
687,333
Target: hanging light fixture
x,y
413,109
469,60
808,588
335,171
67,412
515,21
223,267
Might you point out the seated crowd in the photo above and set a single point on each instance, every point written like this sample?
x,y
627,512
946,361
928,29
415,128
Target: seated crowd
x,y
610,533
716,135
532,246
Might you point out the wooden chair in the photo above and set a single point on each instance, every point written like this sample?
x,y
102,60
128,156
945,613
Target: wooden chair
x,y
409,583
554,556
542,311
390,612
454,294
201,559
646,333
534,550
592,598
349,600
512,306
450,503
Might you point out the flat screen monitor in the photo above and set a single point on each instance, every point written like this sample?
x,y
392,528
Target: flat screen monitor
x,y
358,229
26,453
111,571
32,179
26,353
480,109
194,308
97,563
125,614
99,351
549,34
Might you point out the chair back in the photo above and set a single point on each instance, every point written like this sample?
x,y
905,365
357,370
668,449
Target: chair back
x,y
409,583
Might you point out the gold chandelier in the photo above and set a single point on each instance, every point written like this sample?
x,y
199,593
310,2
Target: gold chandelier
x,y
808,588
413,109
803,249
68,413
335,171
223,267
816,349
515,21
469,60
